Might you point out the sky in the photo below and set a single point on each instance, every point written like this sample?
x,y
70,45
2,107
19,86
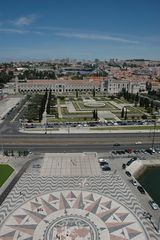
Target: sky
x,y
86,29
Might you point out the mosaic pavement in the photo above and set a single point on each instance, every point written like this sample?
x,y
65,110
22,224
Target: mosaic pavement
x,y
73,208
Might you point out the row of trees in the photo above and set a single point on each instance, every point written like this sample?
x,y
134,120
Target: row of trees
x,y
49,101
53,103
13,153
42,106
142,101
32,111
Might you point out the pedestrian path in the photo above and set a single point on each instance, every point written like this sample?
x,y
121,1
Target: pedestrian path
x,y
73,207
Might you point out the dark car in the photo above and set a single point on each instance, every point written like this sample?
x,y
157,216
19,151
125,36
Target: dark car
x,y
131,161
105,167
149,151
114,152
116,145
123,166
103,163
128,174
141,189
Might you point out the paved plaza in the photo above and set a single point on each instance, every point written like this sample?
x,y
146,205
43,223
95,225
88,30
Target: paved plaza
x,y
70,165
6,105
50,203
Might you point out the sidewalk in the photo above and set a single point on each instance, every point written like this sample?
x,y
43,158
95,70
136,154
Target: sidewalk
x,y
80,130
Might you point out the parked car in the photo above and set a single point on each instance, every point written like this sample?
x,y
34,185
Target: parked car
x,y
157,150
131,161
123,166
114,152
128,174
102,161
116,145
133,181
105,167
138,143
153,204
141,189
150,150
36,166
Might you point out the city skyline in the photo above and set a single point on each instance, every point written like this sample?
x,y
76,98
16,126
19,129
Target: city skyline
x,y
82,30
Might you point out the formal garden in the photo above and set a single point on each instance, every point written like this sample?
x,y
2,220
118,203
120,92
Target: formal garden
x,y
87,108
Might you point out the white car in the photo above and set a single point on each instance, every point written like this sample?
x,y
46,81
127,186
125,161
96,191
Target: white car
x,y
134,182
138,143
102,160
153,204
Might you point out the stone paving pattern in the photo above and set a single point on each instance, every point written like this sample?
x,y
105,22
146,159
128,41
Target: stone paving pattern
x,y
73,207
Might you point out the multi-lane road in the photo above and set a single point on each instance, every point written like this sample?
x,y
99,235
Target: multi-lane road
x,y
78,142
71,142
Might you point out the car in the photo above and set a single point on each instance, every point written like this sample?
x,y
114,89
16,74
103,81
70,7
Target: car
x,y
157,150
133,181
128,174
123,166
153,204
102,161
138,143
153,150
105,168
150,150
36,166
141,189
114,152
143,151
116,145
134,158
129,150
131,161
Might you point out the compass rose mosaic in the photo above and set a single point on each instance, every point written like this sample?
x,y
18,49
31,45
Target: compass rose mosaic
x,y
72,215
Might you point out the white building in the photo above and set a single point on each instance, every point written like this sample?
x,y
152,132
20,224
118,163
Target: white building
x,y
110,86
113,86
58,86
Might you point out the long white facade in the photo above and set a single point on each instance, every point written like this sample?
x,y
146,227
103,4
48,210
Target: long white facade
x,y
110,86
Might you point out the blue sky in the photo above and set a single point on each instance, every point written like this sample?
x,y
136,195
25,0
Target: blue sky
x,y
86,29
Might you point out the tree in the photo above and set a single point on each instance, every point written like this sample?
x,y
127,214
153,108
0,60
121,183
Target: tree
x,y
136,99
95,115
148,86
122,113
76,93
146,103
144,116
49,101
141,102
94,92
125,116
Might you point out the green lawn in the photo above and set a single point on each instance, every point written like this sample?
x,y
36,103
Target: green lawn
x,y
5,172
